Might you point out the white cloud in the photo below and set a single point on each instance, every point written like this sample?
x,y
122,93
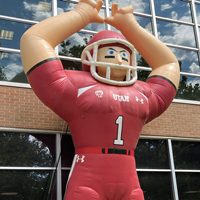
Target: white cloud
x,y
28,6
194,82
174,15
137,5
165,7
173,1
70,7
198,17
38,15
76,39
148,27
15,57
194,68
184,55
60,11
12,70
180,35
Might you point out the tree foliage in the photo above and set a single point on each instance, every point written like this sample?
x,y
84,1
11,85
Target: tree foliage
x,y
73,51
2,74
185,91
153,154
23,150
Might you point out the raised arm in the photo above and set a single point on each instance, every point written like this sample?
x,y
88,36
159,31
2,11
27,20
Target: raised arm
x,y
37,44
158,56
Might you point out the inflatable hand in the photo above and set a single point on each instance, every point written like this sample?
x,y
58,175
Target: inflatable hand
x,y
90,8
121,18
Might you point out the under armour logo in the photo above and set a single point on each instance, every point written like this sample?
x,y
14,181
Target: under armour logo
x,y
137,99
81,159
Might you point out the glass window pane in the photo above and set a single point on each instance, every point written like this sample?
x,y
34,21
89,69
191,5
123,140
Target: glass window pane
x,y
36,10
199,30
20,149
188,60
11,68
198,12
174,33
178,10
188,185
11,32
155,185
67,149
186,154
65,174
189,88
97,26
151,154
141,6
18,185
71,65
143,75
64,6
145,22
74,45
141,61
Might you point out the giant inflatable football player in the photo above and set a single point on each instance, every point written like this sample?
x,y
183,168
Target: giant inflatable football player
x,y
104,105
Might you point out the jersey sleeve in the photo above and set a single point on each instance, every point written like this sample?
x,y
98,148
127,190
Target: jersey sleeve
x,y
160,93
51,84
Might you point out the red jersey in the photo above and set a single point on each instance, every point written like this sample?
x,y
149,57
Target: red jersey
x,y
104,121
100,115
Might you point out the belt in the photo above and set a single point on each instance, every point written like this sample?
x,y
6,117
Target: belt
x,y
104,150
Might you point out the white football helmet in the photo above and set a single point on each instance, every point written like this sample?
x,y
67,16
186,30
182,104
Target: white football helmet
x,y
109,38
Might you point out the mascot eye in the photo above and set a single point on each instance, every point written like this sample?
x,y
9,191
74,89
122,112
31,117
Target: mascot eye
x,y
124,54
110,52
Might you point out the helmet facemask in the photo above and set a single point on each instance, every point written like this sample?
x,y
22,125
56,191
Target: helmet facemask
x,y
90,59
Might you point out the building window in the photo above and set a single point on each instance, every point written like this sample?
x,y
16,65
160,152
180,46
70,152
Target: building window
x,y
168,168
187,166
26,166
36,10
176,23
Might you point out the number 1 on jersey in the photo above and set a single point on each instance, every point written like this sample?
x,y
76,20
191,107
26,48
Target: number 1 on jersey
x,y
119,122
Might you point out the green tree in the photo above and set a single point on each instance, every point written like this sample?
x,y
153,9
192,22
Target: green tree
x,y
2,74
185,90
19,149
142,75
64,45
188,91
73,51
153,154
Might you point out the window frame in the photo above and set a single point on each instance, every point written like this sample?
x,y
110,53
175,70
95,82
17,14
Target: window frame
x,y
59,169
153,18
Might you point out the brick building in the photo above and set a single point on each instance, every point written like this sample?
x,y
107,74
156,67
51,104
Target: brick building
x,y
168,152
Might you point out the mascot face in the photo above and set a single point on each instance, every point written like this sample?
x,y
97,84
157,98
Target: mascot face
x,y
111,59
115,55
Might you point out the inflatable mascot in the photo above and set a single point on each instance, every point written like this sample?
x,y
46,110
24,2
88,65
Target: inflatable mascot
x,y
104,105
